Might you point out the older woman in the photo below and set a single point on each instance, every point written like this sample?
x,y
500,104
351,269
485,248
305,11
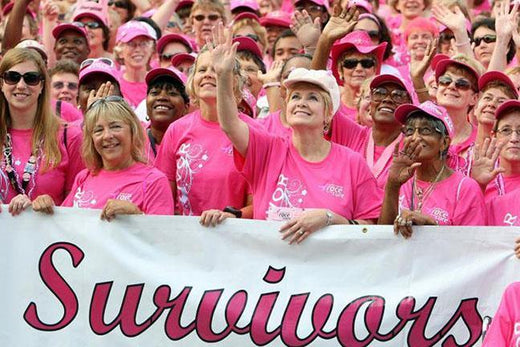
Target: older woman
x,y
40,155
293,186
421,188
196,155
117,178
205,14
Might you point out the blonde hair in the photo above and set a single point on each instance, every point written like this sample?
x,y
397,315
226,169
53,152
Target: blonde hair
x,y
238,85
111,110
327,99
209,5
46,125
257,28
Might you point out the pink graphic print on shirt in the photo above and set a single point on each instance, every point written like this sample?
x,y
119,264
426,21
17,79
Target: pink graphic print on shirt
x,y
190,161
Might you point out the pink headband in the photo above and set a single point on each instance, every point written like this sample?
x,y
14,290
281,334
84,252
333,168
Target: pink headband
x,y
371,17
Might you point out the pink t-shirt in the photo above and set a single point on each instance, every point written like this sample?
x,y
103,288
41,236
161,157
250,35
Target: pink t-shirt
x,y
461,155
67,112
55,182
341,182
198,157
347,111
504,210
273,125
504,330
133,92
502,185
457,200
143,185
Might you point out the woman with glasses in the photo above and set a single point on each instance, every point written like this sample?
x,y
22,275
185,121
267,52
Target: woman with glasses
x,y
39,154
293,186
137,42
484,37
378,31
247,24
65,81
94,17
124,8
204,16
117,179
421,188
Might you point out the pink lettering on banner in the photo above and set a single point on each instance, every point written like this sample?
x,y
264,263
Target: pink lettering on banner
x,y
256,326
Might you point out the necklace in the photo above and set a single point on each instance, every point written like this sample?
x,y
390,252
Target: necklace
x,y
421,195
29,171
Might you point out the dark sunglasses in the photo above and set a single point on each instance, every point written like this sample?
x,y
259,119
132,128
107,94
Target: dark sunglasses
x,y
90,61
485,38
32,78
118,4
366,63
70,85
461,83
398,96
167,57
92,25
211,17
110,98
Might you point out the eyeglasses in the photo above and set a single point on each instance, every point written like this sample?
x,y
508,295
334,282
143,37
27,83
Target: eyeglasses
x,y
461,83
90,61
485,38
110,98
446,37
423,131
251,36
211,17
32,78
398,96
508,132
366,63
118,4
73,86
140,44
92,25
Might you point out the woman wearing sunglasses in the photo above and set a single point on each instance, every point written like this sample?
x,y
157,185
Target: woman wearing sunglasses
x,y
457,91
94,16
124,8
484,37
204,16
117,179
421,188
294,186
39,155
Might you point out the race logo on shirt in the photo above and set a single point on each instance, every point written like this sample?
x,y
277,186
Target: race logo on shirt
x,y
227,150
509,219
440,215
334,190
191,158
83,199
124,196
289,193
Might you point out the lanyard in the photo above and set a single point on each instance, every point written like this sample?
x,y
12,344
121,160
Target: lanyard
x,y
379,165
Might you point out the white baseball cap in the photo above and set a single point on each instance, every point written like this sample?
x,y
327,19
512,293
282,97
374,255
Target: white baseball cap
x,y
322,78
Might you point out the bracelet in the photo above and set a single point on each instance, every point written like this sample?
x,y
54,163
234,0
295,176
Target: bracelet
x,y
329,218
422,90
460,44
271,84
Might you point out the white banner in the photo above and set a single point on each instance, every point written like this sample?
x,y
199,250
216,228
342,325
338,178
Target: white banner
x,y
73,280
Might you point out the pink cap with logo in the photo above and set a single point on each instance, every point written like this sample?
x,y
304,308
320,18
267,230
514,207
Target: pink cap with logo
x,y
362,4
443,65
75,26
276,18
92,9
362,43
102,66
132,29
249,101
250,4
245,15
169,71
404,111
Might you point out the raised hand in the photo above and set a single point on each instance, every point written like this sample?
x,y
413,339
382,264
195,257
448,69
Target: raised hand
x,y
307,31
404,164
274,74
506,19
452,18
485,157
222,50
418,67
105,89
50,11
341,23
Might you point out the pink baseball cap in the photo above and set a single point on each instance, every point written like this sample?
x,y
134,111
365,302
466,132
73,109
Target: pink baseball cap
x,y
247,44
443,65
184,3
74,26
164,40
9,7
506,107
92,9
389,78
169,71
404,111
491,76
177,59
132,29
362,4
245,15
249,4
276,18
103,66
437,58
362,43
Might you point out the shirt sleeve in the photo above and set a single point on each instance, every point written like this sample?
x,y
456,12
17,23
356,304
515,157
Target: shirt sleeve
x,y
470,208
78,181
158,197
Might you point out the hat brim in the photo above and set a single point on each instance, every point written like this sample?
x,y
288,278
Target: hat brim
x,y
491,76
56,32
157,72
443,65
507,106
274,22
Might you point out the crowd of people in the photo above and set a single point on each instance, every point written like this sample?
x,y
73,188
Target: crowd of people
x,y
310,112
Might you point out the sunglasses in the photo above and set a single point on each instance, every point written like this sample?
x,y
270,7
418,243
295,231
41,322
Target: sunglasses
x,y
90,61
398,96
70,85
211,17
118,4
366,63
461,83
106,99
485,38
92,25
32,78
167,57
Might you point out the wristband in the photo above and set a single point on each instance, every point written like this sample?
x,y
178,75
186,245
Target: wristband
x,y
271,84
422,90
460,44
234,211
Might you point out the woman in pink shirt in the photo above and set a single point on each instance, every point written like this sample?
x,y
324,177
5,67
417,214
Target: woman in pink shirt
x,y
504,329
421,188
40,155
306,180
117,179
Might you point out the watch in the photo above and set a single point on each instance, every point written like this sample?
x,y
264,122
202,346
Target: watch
x,y
234,211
